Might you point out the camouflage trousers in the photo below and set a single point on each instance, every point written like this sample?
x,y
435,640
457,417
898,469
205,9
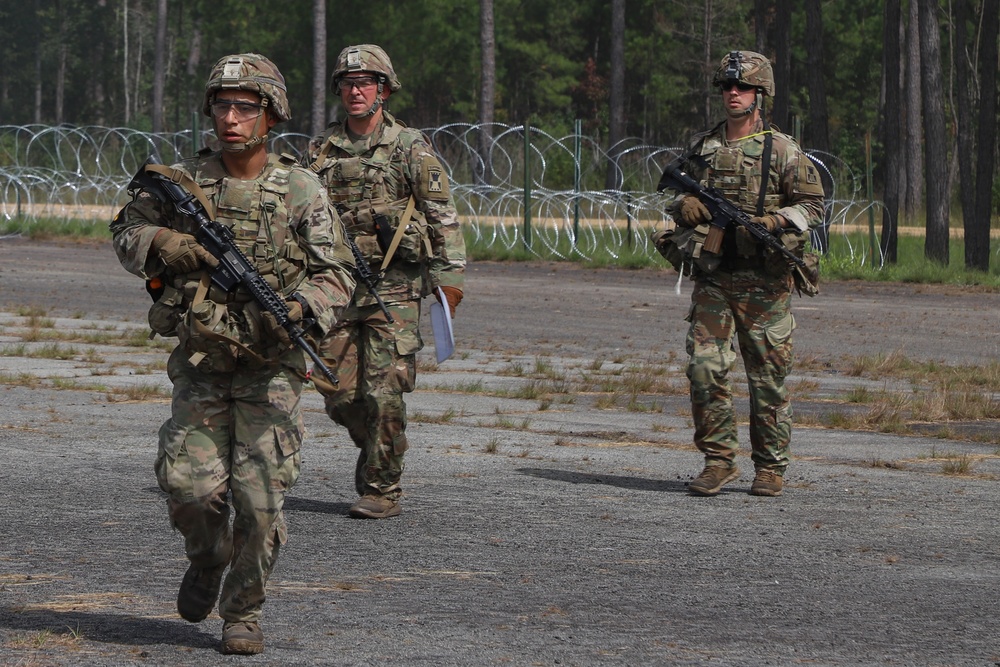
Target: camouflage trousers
x,y
232,439
375,362
756,309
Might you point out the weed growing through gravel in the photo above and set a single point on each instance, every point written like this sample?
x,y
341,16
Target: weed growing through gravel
x,y
445,417
138,392
960,466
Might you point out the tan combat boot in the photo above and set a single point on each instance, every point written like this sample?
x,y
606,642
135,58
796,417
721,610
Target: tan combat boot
x,y
766,483
712,479
370,506
199,592
242,638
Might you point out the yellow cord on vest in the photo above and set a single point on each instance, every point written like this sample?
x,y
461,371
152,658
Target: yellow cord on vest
x,y
750,136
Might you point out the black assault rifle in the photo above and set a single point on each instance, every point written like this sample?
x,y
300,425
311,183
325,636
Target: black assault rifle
x,y
364,273
723,212
234,268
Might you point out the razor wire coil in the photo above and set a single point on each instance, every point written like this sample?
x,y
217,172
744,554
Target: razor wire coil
x,y
501,176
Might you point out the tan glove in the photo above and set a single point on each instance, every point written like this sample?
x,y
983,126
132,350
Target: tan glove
x,y
693,212
454,297
772,223
181,252
277,332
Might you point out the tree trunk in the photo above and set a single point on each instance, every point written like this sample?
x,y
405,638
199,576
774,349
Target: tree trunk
x,y
760,25
710,63
125,60
38,70
892,132
98,58
61,82
936,241
782,63
159,65
483,170
318,116
616,125
986,149
818,130
966,150
913,183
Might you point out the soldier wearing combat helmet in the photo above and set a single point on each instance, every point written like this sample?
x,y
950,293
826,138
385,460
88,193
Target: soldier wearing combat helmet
x,y
745,291
393,195
233,437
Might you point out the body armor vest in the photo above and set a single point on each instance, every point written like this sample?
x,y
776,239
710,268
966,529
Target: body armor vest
x,y
370,195
256,213
735,171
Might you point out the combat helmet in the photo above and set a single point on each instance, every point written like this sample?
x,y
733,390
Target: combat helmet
x,y
366,58
746,67
252,72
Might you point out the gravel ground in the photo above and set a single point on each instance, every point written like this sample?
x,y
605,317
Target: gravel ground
x,y
534,532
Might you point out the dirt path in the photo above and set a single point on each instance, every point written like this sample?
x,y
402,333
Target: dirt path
x,y
536,530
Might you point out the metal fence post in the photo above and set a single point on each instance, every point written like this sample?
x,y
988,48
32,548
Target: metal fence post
x,y
577,150
527,186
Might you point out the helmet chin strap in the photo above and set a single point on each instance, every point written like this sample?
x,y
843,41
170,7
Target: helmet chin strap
x,y
740,113
256,140
374,107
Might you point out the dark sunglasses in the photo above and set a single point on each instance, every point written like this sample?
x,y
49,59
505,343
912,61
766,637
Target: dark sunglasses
x,y
742,87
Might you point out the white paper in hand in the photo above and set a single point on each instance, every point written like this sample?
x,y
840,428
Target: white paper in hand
x,y
444,336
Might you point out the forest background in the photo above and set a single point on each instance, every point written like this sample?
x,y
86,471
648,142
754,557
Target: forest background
x,y
907,86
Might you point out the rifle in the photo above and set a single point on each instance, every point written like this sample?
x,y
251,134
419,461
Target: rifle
x,y
364,273
723,212
234,268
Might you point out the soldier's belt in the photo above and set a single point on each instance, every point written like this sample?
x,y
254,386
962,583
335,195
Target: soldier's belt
x,y
356,228
742,263
221,297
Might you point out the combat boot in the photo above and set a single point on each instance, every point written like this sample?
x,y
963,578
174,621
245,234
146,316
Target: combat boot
x,y
199,592
370,506
242,638
766,483
712,479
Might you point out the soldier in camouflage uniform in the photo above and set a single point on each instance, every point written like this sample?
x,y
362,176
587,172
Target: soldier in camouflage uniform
x,y
393,195
749,294
235,428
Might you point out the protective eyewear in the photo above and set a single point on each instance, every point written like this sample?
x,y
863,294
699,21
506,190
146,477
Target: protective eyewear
x,y
726,86
359,82
241,110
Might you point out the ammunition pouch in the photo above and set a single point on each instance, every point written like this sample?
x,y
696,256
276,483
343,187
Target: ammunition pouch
x,y
775,264
199,332
374,224
684,247
807,281
166,312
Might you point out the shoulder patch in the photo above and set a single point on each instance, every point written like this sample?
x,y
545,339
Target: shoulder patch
x,y
807,177
433,180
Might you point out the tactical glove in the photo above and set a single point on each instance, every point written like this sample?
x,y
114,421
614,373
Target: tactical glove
x,y
181,252
454,297
693,212
277,332
772,223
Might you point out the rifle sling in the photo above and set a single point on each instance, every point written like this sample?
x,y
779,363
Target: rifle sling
x,y
398,236
206,330
185,181
765,172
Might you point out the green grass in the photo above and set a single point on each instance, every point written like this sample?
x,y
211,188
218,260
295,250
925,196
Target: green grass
x,y
911,265
41,229
847,259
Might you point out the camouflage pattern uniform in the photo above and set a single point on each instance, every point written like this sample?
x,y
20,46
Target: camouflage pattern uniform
x,y
235,425
375,361
748,296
